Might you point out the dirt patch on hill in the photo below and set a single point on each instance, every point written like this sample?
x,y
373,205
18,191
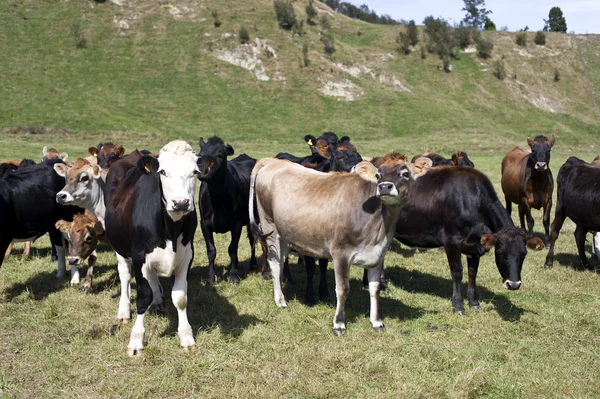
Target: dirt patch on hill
x,y
342,90
251,57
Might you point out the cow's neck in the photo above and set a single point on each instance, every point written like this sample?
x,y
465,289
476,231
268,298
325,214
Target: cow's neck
x,y
498,217
217,187
97,206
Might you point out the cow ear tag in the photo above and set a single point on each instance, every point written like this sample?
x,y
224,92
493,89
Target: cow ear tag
x,y
146,168
310,142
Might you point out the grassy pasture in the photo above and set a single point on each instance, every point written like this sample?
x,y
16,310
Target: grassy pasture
x,y
541,341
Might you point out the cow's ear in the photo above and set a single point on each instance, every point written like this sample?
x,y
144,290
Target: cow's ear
x,y
529,142
488,241
454,159
93,151
147,164
535,243
63,156
230,151
551,141
201,142
45,151
121,151
63,226
61,169
96,170
419,167
98,228
310,140
345,138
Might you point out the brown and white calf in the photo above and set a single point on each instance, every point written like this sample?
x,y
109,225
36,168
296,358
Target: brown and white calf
x,y
83,234
355,223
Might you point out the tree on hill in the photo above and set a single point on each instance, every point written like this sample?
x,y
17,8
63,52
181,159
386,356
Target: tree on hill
x,y
556,21
362,12
476,13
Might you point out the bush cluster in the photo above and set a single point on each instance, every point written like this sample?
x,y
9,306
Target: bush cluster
x,y
484,48
286,16
540,38
244,35
521,39
499,68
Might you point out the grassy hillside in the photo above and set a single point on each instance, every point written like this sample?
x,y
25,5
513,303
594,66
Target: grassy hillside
x,y
150,69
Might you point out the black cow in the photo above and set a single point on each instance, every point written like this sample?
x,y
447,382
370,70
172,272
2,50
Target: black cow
x,y
9,167
459,158
223,201
28,208
578,198
329,155
151,220
457,208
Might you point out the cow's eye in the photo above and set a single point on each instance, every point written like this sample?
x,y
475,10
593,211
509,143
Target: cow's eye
x,y
88,238
378,175
162,172
84,178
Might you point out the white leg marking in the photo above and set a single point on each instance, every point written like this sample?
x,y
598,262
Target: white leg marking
x,y
136,339
342,289
62,267
124,267
374,275
74,275
179,297
275,263
597,244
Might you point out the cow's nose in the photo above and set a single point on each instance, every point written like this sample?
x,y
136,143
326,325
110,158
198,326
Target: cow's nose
x,y
73,260
541,165
385,188
60,197
512,285
181,204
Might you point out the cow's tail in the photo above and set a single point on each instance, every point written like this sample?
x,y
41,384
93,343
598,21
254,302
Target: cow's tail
x,y
255,229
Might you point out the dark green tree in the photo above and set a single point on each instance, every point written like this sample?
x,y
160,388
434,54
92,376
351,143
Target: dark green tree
x,y
489,25
412,32
476,13
556,21
311,13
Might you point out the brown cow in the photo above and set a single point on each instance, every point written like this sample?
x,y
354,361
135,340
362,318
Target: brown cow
x,y
354,225
527,181
51,153
459,158
84,233
106,153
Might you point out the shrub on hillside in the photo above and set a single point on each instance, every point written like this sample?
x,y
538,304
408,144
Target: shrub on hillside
x,y
311,13
328,44
217,21
499,70
521,39
412,33
540,38
305,60
423,53
464,36
446,65
298,29
244,35
286,16
484,48
324,22
556,75
489,25
78,38
403,43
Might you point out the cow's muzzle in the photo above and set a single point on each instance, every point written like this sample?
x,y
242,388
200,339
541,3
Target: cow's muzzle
x,y
387,188
74,260
63,197
541,166
180,204
512,285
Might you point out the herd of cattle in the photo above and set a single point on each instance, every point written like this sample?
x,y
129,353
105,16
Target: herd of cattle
x,y
331,204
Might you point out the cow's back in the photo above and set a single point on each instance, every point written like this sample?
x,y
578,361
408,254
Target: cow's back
x,y
513,166
578,192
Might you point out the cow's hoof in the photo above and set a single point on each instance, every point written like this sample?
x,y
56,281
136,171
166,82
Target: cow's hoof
x,y
86,289
460,312
234,279
310,302
548,265
339,331
124,320
54,258
379,329
134,351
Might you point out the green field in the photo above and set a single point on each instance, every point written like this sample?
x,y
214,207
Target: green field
x,y
159,79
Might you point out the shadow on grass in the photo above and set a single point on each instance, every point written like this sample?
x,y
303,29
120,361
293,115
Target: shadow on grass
x,y
43,284
358,302
406,252
572,260
206,309
416,281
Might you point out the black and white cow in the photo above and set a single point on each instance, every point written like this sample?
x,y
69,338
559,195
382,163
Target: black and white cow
x,y
151,220
28,209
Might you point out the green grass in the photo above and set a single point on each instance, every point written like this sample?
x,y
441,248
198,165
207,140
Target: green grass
x,y
159,81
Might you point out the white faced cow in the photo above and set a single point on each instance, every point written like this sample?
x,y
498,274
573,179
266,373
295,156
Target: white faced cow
x,y
354,225
151,220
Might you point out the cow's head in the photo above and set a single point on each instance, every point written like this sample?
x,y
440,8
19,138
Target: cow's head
x,y
393,179
343,155
177,167
84,232
213,158
311,141
106,153
51,153
511,248
80,178
540,152
460,158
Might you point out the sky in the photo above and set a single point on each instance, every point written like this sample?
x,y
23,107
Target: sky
x,y
582,16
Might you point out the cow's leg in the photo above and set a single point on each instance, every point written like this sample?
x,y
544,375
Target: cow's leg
x,y
88,282
276,257
75,279
456,271
287,274
236,233
580,234
522,216
54,253
472,294
252,241
309,296
58,241
5,242
341,268
26,249
374,289
157,291
546,220
559,219
124,268
8,250
596,242
323,291
143,302
211,252
527,212
180,300
508,205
